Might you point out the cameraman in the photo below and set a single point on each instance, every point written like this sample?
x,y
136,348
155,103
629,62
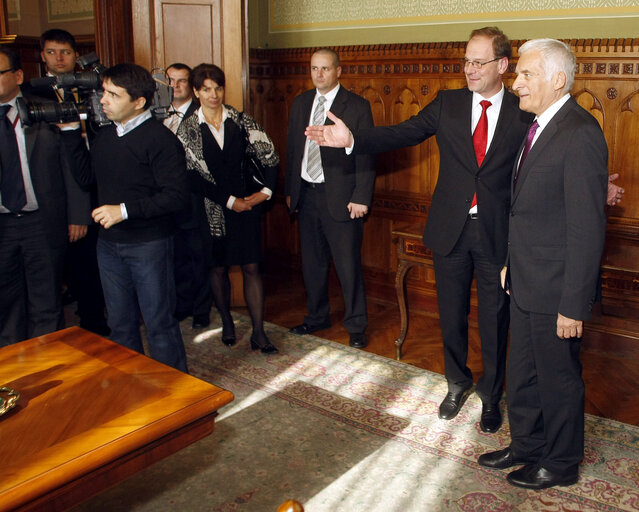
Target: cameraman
x,y
140,171
37,164
59,55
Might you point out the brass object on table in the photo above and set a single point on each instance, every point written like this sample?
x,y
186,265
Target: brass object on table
x,y
8,399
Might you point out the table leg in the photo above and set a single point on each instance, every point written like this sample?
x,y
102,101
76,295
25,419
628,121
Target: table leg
x,y
400,287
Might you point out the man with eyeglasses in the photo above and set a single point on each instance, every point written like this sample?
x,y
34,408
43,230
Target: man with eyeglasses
x,y
479,130
192,242
37,163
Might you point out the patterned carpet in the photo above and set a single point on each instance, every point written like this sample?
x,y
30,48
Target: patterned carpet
x,y
341,429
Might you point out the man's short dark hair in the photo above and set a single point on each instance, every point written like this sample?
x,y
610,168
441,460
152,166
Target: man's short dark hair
x,y
501,44
136,80
203,71
15,62
332,53
179,66
59,36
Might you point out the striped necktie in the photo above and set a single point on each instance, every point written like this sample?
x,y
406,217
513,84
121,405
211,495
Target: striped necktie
x,y
314,159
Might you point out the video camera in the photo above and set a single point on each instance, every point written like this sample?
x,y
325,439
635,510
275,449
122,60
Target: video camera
x,y
88,85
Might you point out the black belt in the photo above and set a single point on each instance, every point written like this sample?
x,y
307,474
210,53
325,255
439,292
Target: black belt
x,y
19,214
473,216
312,185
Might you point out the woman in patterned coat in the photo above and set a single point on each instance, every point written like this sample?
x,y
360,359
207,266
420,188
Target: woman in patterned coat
x,y
216,139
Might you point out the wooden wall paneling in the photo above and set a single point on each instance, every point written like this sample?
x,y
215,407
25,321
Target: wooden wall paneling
x,y
188,31
114,31
399,80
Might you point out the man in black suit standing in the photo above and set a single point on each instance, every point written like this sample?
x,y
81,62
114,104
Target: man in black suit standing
x,y
556,239
478,131
332,192
36,169
192,240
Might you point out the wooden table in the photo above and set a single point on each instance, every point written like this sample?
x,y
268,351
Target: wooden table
x,y
91,413
411,251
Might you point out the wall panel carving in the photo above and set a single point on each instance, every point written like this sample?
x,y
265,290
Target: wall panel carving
x,y
399,80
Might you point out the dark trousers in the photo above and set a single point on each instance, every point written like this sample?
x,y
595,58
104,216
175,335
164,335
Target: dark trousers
x,y
320,238
83,279
193,249
138,278
31,267
544,392
454,275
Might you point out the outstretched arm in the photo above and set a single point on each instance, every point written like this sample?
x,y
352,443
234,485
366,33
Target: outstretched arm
x,y
337,135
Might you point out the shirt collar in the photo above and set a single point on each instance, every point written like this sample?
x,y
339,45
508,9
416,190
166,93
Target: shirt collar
x,y
550,112
330,95
495,100
183,108
201,119
132,124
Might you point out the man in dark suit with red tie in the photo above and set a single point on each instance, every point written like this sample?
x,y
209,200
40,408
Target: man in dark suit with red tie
x,y
36,169
478,131
332,192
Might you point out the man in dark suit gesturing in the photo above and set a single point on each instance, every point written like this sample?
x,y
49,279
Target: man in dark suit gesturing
x,y
478,131
556,238
332,192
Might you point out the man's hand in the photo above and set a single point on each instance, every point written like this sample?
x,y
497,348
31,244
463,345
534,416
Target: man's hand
x,y
337,135
615,193
569,328
502,276
256,198
357,210
240,205
77,231
107,215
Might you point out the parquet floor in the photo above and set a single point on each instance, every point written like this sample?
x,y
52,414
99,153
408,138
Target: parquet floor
x,y
611,366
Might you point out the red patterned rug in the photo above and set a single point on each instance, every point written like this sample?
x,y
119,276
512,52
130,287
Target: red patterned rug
x,y
341,429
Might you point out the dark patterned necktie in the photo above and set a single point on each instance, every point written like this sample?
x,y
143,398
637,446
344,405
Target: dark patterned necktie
x,y
11,184
529,139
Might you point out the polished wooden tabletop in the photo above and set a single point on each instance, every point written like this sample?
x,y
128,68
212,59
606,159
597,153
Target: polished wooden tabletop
x,y
89,405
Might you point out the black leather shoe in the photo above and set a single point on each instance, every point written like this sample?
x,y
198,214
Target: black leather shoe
x,y
181,315
500,459
490,418
533,476
308,329
451,405
265,348
358,340
201,321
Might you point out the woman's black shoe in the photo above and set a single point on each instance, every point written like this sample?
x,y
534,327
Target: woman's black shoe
x,y
266,348
228,335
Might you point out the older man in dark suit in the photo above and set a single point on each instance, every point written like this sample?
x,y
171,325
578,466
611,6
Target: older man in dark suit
x,y
332,192
556,238
35,173
478,131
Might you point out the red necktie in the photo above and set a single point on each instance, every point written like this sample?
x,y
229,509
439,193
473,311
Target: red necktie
x,y
480,138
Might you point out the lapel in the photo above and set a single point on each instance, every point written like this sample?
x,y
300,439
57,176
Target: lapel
x,y
464,114
307,105
339,104
30,137
506,114
547,135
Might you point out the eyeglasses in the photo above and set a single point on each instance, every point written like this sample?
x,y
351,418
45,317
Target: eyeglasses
x,y
3,71
476,63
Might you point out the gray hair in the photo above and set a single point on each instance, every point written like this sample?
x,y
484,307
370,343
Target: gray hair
x,y
556,57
